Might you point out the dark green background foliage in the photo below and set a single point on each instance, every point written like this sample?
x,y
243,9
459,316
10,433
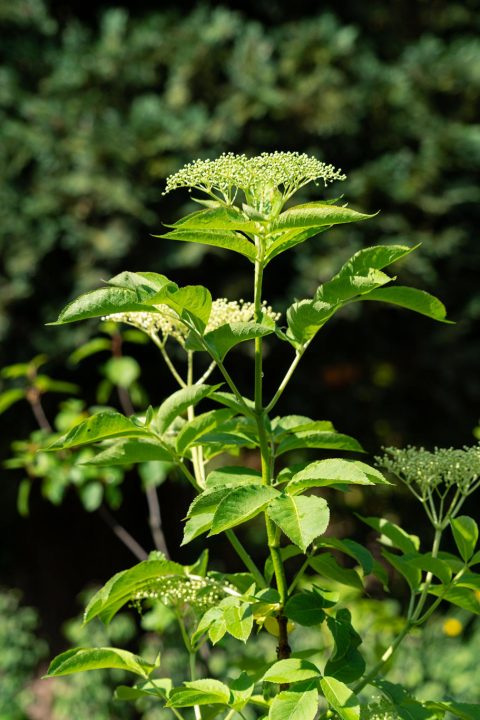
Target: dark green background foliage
x,y
97,107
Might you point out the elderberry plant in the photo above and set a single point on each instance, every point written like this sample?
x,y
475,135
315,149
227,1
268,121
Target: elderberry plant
x,y
247,210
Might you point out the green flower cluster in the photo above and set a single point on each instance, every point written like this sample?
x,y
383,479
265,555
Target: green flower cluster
x,y
440,470
230,173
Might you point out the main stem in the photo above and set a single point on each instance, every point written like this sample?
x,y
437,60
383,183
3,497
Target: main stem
x,y
283,650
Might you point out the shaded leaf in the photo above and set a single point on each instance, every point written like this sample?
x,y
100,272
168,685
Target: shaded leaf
x,y
326,565
178,403
465,532
226,239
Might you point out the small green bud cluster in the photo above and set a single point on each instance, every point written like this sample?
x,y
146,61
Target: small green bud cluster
x,y
175,590
440,470
380,709
230,173
167,323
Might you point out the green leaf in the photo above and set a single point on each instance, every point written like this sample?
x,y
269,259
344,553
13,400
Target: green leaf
x,y
340,698
238,618
326,565
82,659
145,284
301,518
411,299
352,548
282,426
306,608
241,504
290,671
392,534
241,690
319,440
463,597
316,214
10,397
229,400
465,532
306,317
192,303
464,711
225,337
201,512
288,239
219,218
199,692
334,471
130,452
99,344
193,430
178,403
412,574
126,585
294,705
232,476
98,303
101,426
346,663
430,564
226,239
122,371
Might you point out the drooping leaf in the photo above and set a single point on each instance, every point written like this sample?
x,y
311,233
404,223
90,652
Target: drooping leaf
x,y
229,400
465,532
101,426
199,692
301,704
302,518
326,565
393,534
340,698
290,671
129,452
240,505
125,586
226,239
178,403
411,299
83,659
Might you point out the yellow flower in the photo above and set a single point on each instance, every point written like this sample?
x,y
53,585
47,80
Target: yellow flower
x,y
452,627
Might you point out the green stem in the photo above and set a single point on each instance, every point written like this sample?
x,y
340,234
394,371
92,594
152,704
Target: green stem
x,y
168,362
283,649
246,558
429,577
197,454
286,379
